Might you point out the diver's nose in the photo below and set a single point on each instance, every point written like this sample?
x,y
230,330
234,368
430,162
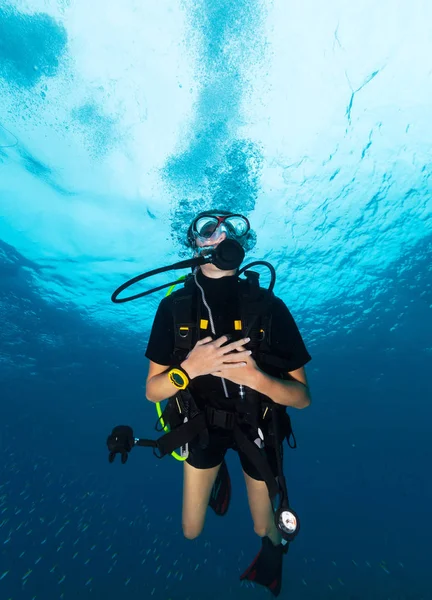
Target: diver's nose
x,y
218,236
221,237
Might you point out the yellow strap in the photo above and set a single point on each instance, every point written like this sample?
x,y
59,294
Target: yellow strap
x,y
237,325
203,324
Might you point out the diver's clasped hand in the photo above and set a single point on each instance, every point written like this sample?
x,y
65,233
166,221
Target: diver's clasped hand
x,y
212,356
244,376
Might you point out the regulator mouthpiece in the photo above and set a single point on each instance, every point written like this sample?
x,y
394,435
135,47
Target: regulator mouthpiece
x,y
228,255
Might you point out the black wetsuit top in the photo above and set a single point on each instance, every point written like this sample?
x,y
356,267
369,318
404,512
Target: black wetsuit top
x,y
222,297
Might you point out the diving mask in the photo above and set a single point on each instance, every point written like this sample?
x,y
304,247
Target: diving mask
x,y
210,225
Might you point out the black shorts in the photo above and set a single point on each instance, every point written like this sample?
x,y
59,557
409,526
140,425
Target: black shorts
x,y
213,455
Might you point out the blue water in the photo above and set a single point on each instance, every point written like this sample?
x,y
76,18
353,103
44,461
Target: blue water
x,y
118,121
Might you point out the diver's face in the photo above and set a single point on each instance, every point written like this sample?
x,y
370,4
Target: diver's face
x,y
209,269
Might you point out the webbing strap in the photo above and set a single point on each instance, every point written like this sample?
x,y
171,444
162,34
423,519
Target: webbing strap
x,y
257,459
177,437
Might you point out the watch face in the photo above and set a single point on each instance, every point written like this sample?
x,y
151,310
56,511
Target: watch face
x,y
177,379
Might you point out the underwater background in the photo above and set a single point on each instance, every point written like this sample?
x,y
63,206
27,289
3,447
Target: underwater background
x,y
119,120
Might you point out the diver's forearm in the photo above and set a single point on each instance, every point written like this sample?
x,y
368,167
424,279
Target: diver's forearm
x,y
159,388
287,393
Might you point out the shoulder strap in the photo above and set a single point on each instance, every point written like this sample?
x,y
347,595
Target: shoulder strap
x,y
255,308
184,310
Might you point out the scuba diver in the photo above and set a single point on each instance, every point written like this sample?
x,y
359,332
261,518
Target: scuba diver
x,y
229,356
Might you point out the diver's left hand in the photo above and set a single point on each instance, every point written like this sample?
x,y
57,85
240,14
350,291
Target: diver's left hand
x,y
245,375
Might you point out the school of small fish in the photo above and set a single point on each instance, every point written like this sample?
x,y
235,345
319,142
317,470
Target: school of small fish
x,y
57,540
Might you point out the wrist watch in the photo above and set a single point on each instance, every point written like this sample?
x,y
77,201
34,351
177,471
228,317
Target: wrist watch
x,y
179,378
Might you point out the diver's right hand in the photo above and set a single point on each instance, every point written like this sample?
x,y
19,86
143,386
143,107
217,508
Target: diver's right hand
x,y
209,356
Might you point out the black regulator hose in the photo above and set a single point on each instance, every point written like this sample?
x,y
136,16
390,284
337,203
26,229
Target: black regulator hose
x,y
266,264
227,256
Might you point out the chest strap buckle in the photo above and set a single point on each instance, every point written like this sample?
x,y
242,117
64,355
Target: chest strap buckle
x,y
220,418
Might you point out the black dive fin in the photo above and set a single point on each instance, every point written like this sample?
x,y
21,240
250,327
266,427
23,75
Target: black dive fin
x,y
266,568
221,492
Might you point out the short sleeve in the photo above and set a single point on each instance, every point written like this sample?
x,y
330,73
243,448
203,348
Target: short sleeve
x,y
286,340
160,346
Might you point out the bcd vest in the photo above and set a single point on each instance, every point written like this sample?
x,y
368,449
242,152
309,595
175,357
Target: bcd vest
x,y
252,413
